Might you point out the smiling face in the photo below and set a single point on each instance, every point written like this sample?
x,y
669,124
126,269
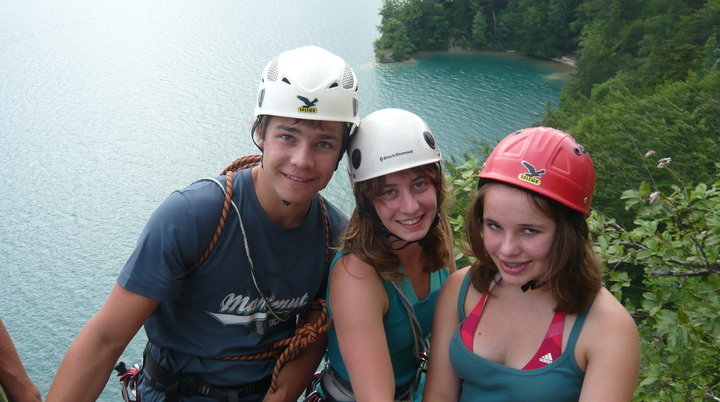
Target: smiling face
x,y
516,235
407,204
299,158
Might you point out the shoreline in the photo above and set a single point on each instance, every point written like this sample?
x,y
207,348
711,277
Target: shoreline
x,y
567,60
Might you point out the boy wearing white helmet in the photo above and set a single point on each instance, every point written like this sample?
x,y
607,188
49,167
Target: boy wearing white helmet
x,y
395,255
212,315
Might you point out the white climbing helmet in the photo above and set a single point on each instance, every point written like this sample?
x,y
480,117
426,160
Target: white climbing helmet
x,y
309,83
388,141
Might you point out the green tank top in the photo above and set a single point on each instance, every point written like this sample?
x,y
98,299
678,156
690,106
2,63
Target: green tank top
x,y
487,381
397,326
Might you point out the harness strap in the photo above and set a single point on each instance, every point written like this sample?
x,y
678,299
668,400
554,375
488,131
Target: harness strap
x,y
422,347
337,389
244,162
174,385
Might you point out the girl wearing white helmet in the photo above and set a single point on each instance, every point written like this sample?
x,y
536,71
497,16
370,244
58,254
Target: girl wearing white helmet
x,y
530,320
394,257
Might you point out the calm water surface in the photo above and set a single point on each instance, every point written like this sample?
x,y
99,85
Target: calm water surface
x,y
107,106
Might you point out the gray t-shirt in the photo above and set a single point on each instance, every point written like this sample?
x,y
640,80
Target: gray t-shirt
x,y
217,310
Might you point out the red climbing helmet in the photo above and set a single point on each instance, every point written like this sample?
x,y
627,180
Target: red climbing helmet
x,y
545,161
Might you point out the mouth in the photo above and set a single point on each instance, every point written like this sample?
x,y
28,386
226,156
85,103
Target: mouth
x,y
295,178
513,265
410,222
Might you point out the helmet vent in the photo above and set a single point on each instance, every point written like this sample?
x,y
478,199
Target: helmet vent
x,y
356,158
272,73
261,97
348,79
429,139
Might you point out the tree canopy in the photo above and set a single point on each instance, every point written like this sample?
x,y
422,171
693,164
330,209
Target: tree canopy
x,y
645,102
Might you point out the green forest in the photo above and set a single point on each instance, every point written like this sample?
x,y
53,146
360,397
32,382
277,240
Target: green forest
x,y
645,101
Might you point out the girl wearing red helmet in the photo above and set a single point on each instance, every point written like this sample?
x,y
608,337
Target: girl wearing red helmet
x,y
530,320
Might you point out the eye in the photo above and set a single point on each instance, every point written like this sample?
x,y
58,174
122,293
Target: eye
x,y
286,137
324,144
529,231
492,226
420,184
389,193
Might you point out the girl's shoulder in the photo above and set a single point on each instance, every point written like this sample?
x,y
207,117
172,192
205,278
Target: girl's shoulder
x,y
608,325
460,274
353,283
607,311
352,270
456,278
453,284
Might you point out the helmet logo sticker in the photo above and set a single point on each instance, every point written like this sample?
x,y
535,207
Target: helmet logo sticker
x,y
396,154
309,106
532,175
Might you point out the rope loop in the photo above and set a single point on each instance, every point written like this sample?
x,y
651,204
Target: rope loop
x,y
290,348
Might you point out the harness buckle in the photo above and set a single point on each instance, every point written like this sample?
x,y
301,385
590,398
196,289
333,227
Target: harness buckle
x,y
423,362
189,386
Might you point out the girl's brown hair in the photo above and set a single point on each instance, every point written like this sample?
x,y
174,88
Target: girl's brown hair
x,y
573,274
365,239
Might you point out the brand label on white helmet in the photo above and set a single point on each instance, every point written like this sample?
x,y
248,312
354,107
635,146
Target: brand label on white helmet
x,y
396,154
309,106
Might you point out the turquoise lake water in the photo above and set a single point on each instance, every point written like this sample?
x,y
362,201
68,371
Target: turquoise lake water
x,y
107,106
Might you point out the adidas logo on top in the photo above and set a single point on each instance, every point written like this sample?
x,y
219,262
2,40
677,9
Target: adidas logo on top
x,y
547,359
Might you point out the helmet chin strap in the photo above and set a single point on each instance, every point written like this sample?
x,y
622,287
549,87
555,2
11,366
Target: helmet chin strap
x,y
372,215
422,242
532,285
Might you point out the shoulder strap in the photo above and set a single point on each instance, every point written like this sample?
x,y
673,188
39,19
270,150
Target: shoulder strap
x,y
422,348
244,162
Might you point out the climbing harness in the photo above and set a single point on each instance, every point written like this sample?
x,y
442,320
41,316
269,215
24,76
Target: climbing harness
x,y
283,350
128,381
328,386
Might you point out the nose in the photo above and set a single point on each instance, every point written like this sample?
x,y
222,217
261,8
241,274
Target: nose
x,y
509,245
302,156
408,203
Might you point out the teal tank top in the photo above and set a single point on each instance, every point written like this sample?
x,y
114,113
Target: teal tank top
x,y
487,381
397,326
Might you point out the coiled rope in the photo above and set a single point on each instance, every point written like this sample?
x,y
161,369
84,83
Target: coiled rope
x,y
288,349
